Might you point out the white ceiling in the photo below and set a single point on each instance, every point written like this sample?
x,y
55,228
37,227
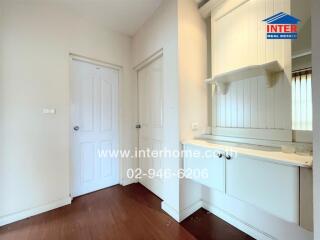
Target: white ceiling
x,y
125,16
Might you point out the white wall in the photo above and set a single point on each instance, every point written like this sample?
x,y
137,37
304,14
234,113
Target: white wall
x,y
192,69
302,10
192,89
316,114
161,32
34,149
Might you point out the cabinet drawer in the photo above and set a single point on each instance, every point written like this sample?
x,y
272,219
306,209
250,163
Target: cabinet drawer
x,y
200,158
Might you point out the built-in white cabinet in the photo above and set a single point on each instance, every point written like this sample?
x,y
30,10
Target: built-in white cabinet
x,y
199,160
266,185
263,183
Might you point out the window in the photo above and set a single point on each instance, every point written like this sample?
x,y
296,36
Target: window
x,y
301,100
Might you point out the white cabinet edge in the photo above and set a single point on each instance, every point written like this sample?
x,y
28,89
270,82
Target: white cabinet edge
x,y
288,159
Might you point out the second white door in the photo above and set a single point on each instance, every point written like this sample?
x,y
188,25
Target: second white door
x,y
150,85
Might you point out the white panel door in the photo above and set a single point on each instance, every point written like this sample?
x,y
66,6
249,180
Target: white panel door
x,y
95,127
151,121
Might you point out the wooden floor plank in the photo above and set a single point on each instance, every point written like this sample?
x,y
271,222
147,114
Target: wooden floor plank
x,y
130,212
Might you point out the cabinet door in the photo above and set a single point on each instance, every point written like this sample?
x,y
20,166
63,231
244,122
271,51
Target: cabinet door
x,y
199,159
266,185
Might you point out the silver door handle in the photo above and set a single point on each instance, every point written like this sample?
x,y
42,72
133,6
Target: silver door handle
x,y
76,128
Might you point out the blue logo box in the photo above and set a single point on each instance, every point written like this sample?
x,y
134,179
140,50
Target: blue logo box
x,y
282,35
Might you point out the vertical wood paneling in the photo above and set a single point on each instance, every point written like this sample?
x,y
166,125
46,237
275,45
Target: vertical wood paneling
x,y
279,45
247,104
261,14
239,39
217,108
223,110
269,54
240,104
270,108
214,112
254,102
262,104
279,110
228,108
234,105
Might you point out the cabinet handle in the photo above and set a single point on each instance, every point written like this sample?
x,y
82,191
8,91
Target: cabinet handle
x,y
228,157
219,155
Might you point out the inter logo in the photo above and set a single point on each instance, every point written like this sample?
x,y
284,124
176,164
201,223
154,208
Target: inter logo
x,y
282,26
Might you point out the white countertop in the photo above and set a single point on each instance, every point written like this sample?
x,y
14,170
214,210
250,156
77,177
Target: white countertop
x,y
277,156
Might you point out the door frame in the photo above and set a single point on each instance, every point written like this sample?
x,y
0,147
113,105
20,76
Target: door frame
x,y
73,56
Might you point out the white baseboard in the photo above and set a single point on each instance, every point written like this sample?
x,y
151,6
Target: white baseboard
x,y
34,211
170,210
244,227
180,216
190,210
127,181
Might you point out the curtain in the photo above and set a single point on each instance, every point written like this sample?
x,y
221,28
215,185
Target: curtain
x,y
301,100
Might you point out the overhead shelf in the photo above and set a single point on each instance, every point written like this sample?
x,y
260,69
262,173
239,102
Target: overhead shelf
x,y
267,70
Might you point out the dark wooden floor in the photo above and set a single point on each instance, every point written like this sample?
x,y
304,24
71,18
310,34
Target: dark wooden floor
x,y
130,212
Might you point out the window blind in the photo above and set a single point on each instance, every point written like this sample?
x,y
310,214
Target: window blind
x,y
302,100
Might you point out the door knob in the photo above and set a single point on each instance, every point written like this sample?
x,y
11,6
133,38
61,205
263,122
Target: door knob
x,y
228,157
76,128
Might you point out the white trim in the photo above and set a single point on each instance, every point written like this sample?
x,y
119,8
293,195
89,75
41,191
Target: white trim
x,y
267,143
227,8
94,61
34,211
206,9
148,60
284,135
190,210
244,227
126,181
170,210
